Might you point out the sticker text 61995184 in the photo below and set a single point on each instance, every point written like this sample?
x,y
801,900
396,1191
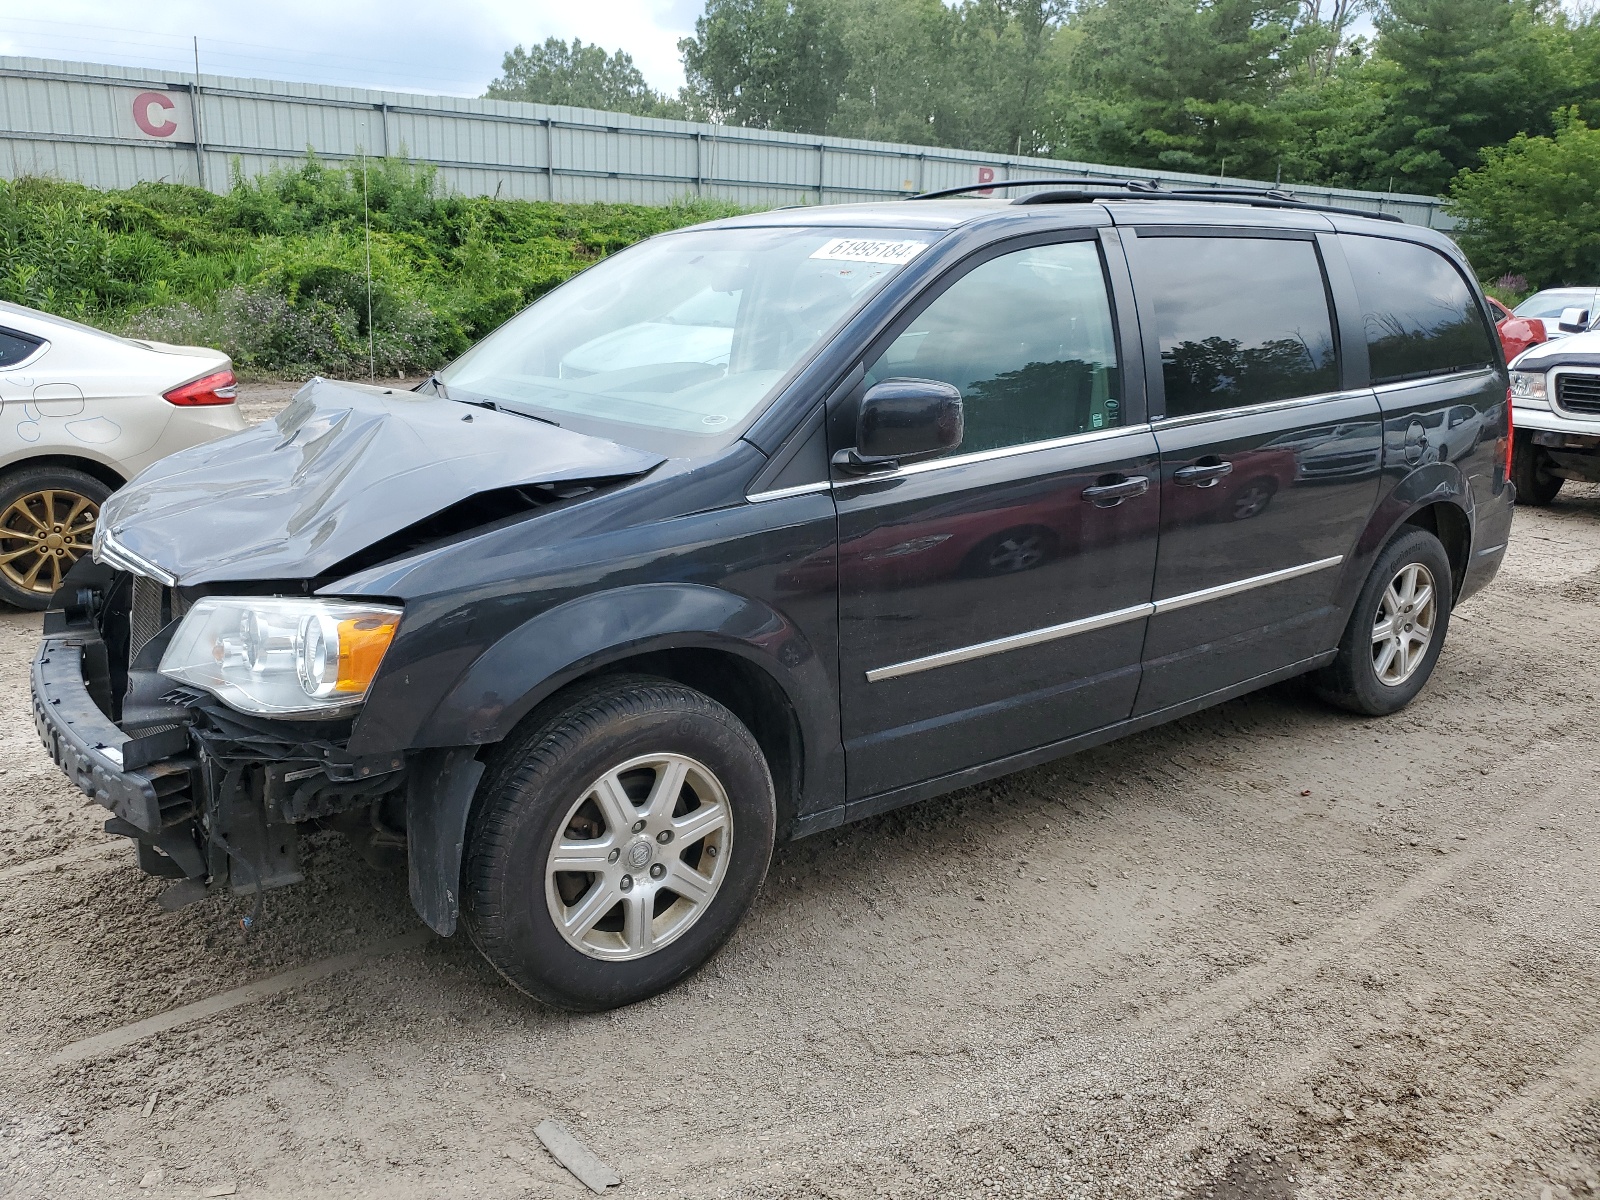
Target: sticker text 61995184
x,y
869,250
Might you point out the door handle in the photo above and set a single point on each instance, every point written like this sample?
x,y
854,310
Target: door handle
x,y
1202,474
1109,495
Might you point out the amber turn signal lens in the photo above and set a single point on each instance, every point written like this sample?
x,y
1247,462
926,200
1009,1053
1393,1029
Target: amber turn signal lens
x,y
362,644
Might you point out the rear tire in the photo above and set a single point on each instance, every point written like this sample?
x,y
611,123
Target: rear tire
x,y
617,843
47,519
1530,474
1395,634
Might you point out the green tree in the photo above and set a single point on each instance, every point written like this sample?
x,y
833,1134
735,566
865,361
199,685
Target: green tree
x,y
1013,61
581,75
769,64
901,82
1180,84
1461,75
1533,207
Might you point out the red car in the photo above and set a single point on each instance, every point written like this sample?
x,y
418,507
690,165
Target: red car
x,y
1516,333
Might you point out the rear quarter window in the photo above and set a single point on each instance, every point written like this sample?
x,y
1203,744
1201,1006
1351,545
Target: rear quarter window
x,y
1420,314
14,347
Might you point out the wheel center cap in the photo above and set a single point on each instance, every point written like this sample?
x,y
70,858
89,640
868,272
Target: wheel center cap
x,y
639,854
53,541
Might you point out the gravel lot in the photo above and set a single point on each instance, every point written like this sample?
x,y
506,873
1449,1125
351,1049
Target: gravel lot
x,y
1268,951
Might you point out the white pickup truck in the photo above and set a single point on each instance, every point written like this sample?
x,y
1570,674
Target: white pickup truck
x,y
1555,396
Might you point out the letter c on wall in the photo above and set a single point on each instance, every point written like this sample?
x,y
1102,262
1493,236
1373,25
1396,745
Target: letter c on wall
x,y
160,125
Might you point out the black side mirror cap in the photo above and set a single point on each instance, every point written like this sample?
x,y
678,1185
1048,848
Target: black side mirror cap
x,y
903,421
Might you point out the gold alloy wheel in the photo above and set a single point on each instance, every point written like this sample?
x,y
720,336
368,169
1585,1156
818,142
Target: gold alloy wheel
x,y
42,534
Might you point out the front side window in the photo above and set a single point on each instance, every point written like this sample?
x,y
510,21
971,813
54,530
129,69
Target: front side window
x,y
1027,338
1421,317
1240,320
679,340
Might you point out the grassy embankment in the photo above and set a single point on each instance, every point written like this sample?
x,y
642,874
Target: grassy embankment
x,y
274,271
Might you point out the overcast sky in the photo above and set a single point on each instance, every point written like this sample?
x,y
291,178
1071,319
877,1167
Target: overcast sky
x,y
409,45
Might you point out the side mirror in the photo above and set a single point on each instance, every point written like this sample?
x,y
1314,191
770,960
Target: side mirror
x,y
902,421
1574,320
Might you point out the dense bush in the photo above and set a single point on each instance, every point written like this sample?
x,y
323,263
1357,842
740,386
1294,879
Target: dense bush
x,y
1534,207
274,272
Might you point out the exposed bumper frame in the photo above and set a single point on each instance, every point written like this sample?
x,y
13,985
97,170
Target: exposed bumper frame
x,y
92,751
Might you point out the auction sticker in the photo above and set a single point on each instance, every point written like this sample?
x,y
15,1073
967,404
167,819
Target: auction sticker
x,y
869,250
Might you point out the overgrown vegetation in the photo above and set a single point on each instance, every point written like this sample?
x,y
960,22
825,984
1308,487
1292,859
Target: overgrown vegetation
x,y
274,272
1533,209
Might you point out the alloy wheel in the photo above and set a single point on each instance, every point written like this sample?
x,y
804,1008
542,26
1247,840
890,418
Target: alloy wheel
x,y
42,534
1404,626
639,857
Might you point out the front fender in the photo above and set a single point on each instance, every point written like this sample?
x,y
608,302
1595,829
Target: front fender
x,y
584,634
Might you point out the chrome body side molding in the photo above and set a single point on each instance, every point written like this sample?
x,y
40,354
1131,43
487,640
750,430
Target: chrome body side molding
x,y
1050,633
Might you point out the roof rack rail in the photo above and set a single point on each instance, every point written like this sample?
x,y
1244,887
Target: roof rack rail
x,y
1143,189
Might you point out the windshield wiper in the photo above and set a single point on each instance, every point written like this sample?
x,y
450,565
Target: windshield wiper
x,y
496,406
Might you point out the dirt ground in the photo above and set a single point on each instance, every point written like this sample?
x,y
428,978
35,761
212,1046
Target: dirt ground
x,y
1267,951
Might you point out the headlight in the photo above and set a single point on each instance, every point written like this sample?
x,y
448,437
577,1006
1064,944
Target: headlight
x,y
282,657
1528,385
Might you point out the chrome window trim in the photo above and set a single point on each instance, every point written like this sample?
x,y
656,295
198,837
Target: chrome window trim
x,y
977,456
1401,385
800,489
1050,633
112,553
1553,393
1267,406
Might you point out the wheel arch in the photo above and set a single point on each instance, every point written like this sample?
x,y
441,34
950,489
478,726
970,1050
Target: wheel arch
x,y
739,685
1437,498
89,466
1450,524
734,648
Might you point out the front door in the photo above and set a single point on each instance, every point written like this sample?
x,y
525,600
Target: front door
x,y
1269,470
995,600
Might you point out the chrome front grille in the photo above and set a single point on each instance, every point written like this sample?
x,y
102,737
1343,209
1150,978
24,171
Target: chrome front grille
x,y
1579,393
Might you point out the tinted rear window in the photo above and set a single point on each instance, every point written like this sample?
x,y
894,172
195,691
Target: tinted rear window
x,y
14,347
1420,315
1241,320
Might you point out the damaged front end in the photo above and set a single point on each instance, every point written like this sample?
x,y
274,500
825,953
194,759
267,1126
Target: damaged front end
x,y
212,797
176,684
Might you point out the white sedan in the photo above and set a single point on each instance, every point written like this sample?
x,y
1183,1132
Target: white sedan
x,y
81,413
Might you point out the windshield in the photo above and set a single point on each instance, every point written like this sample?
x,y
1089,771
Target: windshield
x,y
1553,303
685,334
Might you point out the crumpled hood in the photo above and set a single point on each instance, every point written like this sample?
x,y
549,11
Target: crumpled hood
x,y
338,469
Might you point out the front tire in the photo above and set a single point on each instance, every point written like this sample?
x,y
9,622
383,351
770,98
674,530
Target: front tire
x,y
1396,629
47,519
617,843
1535,485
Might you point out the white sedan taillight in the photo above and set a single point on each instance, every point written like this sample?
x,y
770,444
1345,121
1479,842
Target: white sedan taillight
x,y
218,388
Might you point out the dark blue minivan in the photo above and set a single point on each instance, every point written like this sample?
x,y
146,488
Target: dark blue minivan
x,y
775,523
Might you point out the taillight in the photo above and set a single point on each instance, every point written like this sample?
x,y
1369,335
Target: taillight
x,y
218,388
1511,433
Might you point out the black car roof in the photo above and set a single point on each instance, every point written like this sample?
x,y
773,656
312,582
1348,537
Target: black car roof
x,y
950,214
